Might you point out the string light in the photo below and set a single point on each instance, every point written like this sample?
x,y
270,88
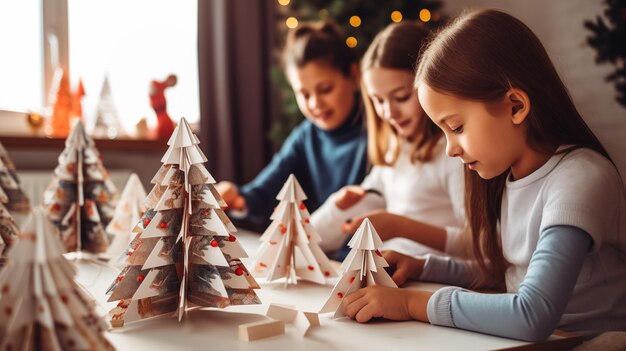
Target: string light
x,y
355,21
425,15
291,22
396,16
284,2
351,42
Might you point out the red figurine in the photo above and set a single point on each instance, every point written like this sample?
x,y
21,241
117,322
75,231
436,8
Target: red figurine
x,y
165,126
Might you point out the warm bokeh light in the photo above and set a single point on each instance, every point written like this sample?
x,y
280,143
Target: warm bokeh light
x,y
396,16
425,15
355,21
284,2
351,42
291,22
324,14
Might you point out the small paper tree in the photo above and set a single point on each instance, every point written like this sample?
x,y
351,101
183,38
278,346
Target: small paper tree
x,y
42,307
8,229
107,124
185,250
16,201
364,266
60,104
290,247
80,200
127,214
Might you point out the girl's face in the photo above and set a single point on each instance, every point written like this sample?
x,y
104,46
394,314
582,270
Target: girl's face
x,y
485,137
324,95
394,99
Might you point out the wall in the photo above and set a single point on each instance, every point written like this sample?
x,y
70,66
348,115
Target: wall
x,y
559,25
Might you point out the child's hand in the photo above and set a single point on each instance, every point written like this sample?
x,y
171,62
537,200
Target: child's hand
x,y
381,220
348,196
390,303
230,194
403,267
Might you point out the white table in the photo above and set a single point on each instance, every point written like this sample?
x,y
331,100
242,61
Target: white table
x,y
217,329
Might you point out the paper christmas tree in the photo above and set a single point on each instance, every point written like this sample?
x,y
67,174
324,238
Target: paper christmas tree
x,y
15,199
185,252
8,229
42,307
364,266
290,245
81,199
107,124
77,100
59,104
129,210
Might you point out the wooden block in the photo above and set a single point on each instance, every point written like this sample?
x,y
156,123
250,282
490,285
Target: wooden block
x,y
282,312
313,318
117,323
260,330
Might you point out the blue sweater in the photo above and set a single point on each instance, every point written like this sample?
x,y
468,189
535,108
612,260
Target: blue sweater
x,y
322,161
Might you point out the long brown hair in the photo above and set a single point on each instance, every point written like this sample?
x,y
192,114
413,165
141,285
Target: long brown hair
x,y
396,47
318,41
480,56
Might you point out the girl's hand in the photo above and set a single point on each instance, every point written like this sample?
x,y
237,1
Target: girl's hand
x,y
382,221
403,267
390,303
231,196
348,196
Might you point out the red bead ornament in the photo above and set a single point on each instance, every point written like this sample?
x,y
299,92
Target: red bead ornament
x,y
140,278
283,229
119,278
351,280
306,220
65,299
214,243
311,268
378,253
146,222
206,212
239,271
340,295
231,238
302,206
261,264
327,274
56,207
163,225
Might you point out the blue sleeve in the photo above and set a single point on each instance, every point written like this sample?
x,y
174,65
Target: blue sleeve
x,y
260,193
534,311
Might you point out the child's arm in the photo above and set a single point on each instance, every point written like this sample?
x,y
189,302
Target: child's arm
x,y
534,311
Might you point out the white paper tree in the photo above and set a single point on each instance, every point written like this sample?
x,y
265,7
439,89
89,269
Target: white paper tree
x,y
81,198
127,214
41,305
107,123
290,245
364,266
16,201
185,252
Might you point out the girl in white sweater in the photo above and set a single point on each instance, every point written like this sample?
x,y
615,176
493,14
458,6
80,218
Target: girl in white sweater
x,y
414,193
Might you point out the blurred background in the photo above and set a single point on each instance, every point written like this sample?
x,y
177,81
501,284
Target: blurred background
x,y
224,53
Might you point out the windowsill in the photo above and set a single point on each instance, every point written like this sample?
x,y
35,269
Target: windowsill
x,y
135,145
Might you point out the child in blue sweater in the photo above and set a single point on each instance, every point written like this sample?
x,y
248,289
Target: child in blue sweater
x,y
327,150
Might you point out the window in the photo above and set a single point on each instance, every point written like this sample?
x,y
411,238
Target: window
x,y
130,42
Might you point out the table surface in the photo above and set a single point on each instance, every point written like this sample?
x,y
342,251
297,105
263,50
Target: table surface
x,y
218,328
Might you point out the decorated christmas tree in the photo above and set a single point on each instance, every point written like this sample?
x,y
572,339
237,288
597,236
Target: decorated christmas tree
x,y
16,201
290,247
185,253
81,199
129,210
8,229
364,266
42,307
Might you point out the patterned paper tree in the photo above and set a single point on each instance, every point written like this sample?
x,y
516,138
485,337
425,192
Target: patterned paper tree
x,y
8,229
290,247
185,252
17,202
127,214
81,199
364,266
42,307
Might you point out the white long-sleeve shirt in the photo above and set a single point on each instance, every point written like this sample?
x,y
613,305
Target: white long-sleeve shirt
x,y
430,192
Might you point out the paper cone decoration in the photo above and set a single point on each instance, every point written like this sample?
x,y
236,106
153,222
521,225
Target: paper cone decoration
x,y
290,245
81,199
42,307
127,214
8,230
59,104
10,189
77,100
185,253
107,124
364,266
